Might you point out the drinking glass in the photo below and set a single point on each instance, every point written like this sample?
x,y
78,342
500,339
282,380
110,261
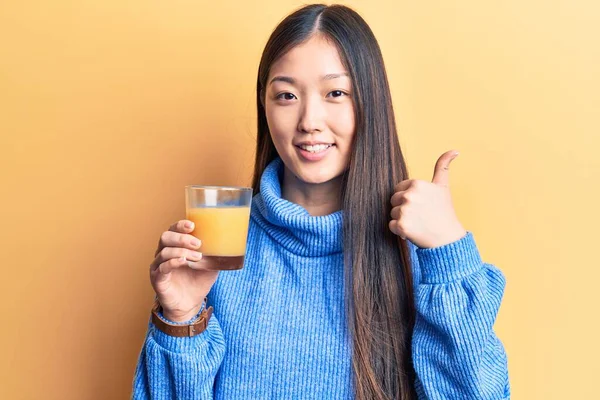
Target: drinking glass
x,y
221,215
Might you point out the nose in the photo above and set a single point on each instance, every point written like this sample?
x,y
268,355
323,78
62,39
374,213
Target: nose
x,y
312,116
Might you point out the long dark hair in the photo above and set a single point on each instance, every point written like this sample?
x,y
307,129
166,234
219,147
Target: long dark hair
x,y
378,273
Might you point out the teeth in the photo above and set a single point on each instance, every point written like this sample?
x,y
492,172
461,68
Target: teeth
x,y
316,148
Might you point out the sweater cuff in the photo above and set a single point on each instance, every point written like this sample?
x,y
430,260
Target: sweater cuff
x,y
450,262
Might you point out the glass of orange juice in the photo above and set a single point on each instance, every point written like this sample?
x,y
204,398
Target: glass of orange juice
x,y
221,215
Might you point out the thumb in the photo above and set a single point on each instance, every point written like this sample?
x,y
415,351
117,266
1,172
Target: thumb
x,y
441,173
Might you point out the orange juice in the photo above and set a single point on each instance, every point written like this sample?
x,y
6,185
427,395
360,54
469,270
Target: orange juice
x,y
223,232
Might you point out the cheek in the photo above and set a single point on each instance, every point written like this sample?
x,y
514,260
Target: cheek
x,y
343,124
280,123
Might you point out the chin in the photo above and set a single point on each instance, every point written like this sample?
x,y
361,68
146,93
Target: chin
x,y
314,173
316,179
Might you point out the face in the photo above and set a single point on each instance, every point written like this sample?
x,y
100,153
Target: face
x,y
310,112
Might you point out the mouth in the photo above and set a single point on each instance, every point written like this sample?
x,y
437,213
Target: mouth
x,y
314,152
315,148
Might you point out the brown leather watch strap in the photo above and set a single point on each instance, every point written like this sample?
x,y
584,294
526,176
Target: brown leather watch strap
x,y
196,327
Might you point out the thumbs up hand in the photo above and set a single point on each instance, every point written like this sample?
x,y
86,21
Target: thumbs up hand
x,y
422,212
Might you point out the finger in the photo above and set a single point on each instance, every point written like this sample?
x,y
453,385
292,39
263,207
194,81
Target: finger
x,y
168,266
174,239
176,252
404,185
396,212
441,173
182,226
396,229
201,264
398,198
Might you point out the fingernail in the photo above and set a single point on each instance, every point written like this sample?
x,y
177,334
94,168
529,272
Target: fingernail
x,y
192,265
195,242
182,259
196,254
189,225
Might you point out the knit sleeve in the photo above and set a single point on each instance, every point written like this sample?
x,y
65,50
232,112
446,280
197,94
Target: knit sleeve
x,y
456,353
179,367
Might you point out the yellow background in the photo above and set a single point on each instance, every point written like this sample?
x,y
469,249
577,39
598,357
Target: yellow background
x,y
107,109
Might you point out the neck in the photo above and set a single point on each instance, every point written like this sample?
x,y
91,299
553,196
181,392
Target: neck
x,y
318,199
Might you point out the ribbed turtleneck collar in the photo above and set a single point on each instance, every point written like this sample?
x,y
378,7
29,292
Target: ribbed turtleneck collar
x,y
290,224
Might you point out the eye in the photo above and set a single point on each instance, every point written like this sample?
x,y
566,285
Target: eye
x,y
337,93
285,96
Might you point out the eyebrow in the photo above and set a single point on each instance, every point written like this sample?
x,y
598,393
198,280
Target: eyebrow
x,y
292,81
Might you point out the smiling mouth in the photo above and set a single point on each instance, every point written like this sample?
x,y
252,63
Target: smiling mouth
x,y
315,148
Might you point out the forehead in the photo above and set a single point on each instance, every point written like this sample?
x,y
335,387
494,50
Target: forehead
x,y
313,58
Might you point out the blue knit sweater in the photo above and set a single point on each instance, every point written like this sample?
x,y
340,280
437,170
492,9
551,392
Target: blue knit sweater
x,y
279,330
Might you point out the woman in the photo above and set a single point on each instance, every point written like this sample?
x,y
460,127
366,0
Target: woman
x,y
358,282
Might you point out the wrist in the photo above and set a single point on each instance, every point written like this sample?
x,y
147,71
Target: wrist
x,y
450,237
188,327
181,316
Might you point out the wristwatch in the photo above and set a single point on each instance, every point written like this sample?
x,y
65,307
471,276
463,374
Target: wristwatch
x,y
194,328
